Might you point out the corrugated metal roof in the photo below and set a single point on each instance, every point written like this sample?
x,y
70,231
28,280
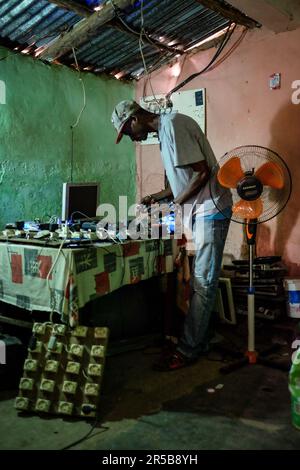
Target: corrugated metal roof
x,y
178,25
33,22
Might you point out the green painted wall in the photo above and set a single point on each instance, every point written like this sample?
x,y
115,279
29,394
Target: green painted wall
x,y
42,102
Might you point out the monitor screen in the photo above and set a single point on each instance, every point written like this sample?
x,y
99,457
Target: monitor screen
x,y
79,200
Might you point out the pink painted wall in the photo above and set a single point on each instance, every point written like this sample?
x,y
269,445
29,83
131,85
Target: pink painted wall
x,y
241,110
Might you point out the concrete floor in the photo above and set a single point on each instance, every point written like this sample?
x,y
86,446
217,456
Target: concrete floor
x,y
144,409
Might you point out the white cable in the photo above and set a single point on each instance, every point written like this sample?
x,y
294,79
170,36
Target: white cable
x,y
81,213
85,375
50,322
118,243
142,15
110,236
51,316
83,89
49,274
142,32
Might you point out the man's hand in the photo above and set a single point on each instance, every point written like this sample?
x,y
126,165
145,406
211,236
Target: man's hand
x,y
148,200
153,198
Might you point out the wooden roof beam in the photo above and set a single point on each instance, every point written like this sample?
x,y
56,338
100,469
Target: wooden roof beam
x,y
81,33
115,24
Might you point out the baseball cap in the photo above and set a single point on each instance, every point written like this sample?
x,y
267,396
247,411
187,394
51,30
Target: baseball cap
x,y
122,112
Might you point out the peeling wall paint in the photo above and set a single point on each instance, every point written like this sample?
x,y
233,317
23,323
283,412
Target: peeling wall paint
x,y
42,102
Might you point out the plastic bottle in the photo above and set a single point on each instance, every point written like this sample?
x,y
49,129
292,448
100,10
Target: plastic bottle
x,y
294,388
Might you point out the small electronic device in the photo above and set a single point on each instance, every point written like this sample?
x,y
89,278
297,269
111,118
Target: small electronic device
x,y
42,234
79,200
32,226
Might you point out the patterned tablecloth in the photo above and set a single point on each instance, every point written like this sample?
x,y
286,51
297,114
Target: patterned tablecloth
x,y
46,278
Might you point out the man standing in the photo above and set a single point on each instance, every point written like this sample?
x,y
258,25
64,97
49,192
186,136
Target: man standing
x,y
187,158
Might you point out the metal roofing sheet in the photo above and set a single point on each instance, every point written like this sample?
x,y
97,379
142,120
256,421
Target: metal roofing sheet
x,y
171,23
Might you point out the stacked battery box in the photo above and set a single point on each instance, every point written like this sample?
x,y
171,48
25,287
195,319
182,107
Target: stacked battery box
x,y
268,275
63,370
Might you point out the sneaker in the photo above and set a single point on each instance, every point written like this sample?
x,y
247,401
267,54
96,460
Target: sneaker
x,y
169,348
174,361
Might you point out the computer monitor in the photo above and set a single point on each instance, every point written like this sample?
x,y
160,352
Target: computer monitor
x,y
79,200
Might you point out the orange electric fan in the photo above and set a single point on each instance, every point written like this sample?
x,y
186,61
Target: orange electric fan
x,y
260,185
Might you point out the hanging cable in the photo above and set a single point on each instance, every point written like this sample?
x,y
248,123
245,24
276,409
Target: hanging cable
x,y
72,155
145,34
142,55
78,117
83,90
148,76
230,51
221,47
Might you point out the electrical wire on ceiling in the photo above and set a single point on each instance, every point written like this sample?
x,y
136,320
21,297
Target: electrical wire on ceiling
x,y
230,51
147,77
142,55
222,44
213,63
153,42
142,34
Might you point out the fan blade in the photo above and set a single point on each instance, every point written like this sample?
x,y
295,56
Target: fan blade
x,y
270,174
230,173
248,209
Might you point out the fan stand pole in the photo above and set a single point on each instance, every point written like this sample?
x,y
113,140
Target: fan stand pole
x,y
251,239
251,356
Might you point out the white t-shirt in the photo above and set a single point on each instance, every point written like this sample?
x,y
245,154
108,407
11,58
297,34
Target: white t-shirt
x,y
182,143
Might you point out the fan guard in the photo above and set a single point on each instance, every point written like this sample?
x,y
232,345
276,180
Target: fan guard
x,y
245,169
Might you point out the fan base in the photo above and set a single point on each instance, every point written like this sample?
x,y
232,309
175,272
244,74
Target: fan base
x,y
252,356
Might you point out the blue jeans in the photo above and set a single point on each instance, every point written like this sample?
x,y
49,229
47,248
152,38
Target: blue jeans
x,y
204,282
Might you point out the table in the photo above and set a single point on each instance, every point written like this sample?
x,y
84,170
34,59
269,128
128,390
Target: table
x,y
44,278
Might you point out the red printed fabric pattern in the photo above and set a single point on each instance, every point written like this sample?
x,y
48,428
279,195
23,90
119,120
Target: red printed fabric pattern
x,y
102,283
36,265
131,249
45,264
16,268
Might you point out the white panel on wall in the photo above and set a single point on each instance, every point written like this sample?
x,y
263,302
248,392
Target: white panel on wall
x,y
190,102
